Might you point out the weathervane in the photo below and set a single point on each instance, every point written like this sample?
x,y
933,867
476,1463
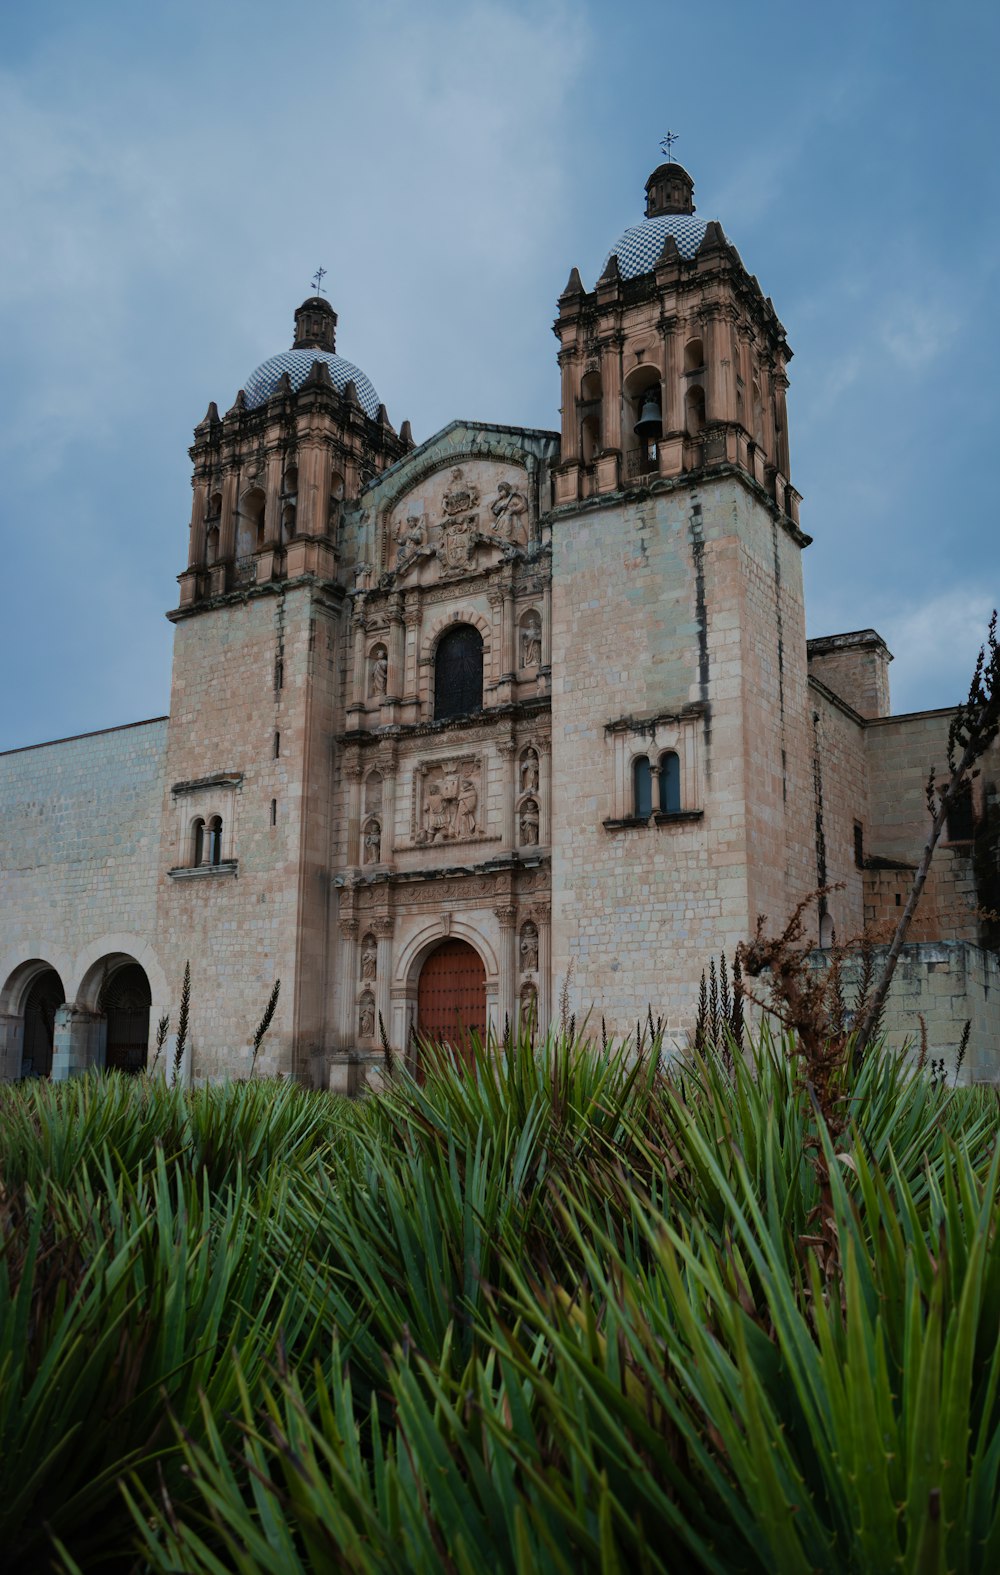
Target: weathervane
x,y
667,145
317,281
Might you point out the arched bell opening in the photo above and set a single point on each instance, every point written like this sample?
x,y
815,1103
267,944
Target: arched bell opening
x,y
451,997
642,419
590,412
250,524
694,410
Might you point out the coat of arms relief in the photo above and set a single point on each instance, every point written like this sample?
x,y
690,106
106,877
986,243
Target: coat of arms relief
x,y
448,801
458,526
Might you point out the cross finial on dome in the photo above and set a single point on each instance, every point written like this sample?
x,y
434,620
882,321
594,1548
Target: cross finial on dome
x,y
317,281
667,145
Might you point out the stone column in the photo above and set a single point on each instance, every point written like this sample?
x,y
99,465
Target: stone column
x,y
78,1045
196,538
359,679
611,390
272,499
411,620
543,918
349,929
495,598
227,526
570,424
383,928
386,762
506,995
11,1047
715,403
544,746
547,625
507,751
508,630
397,649
353,774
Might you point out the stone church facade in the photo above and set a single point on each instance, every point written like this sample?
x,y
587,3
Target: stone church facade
x,y
457,727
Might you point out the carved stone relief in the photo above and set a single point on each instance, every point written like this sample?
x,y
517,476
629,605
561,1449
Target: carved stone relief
x,y
529,771
529,947
460,522
531,640
448,801
373,841
378,671
529,822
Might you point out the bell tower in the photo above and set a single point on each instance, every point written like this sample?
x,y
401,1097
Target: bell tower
x,y
680,749
674,363
252,765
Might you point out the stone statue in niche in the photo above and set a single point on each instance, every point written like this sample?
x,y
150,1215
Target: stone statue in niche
x,y
529,823
531,641
508,509
369,957
366,1016
529,771
447,807
373,842
379,671
529,948
529,1002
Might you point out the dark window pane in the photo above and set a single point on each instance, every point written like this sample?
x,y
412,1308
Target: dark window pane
x,y
961,822
642,785
458,672
670,784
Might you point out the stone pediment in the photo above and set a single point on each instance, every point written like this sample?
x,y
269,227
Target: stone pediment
x,y
458,520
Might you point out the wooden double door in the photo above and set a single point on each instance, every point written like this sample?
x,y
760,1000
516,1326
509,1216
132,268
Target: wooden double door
x,y
451,996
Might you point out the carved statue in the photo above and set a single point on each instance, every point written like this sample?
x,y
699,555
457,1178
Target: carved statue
x,y
529,823
379,670
507,509
531,641
373,842
369,958
468,802
410,536
529,1002
529,772
529,948
366,1016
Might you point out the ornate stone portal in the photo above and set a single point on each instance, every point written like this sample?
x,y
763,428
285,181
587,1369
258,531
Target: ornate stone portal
x,y
467,518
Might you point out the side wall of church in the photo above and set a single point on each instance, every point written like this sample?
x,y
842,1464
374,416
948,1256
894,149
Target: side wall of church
x,y
79,841
665,621
837,797
249,741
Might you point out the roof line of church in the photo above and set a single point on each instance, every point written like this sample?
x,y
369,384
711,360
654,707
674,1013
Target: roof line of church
x,y
469,425
71,738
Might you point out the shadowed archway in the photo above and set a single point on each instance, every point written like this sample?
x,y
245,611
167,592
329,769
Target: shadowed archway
x,y
44,998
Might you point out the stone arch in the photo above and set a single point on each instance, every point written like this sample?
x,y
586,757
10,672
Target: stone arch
x,y
451,996
119,949
464,613
111,1020
250,523
29,1000
458,686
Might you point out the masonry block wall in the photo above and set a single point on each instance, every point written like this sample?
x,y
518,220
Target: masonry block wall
x,y
665,615
79,842
249,742
839,792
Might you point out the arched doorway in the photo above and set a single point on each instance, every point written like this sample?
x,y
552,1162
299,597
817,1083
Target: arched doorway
x,y
43,1000
126,1001
451,996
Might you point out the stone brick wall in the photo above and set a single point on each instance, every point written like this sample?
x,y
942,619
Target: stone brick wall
x,y
838,793
662,604
79,841
246,673
856,667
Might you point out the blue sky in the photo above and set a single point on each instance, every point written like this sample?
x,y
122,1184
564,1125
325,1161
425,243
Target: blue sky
x,y
171,177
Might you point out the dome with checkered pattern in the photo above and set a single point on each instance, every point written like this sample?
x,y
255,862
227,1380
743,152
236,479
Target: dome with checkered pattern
x,y
638,248
263,383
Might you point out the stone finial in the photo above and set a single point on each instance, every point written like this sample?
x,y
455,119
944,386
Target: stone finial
x,y
238,405
319,376
574,286
406,436
670,252
383,418
713,239
611,274
211,415
284,387
315,325
351,393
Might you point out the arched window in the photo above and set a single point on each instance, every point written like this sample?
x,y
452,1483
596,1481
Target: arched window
x,y
642,788
670,783
197,842
694,355
458,672
215,840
